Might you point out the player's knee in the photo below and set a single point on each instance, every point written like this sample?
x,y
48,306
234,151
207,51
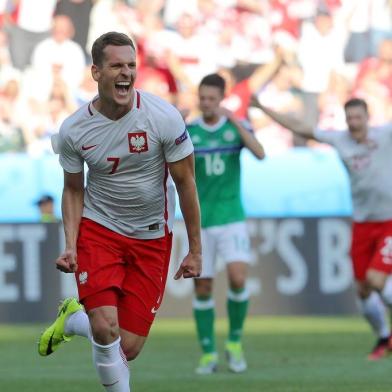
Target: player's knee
x,y
105,329
203,287
364,293
375,280
237,275
237,283
131,351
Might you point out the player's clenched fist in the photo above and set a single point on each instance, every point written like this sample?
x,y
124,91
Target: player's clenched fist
x,y
190,267
67,262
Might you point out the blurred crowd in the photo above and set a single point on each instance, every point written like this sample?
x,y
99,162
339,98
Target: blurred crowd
x,y
304,57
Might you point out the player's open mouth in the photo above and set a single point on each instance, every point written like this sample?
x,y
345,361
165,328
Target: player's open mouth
x,y
122,88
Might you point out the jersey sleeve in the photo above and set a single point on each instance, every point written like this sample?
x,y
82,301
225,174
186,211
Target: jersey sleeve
x,y
69,159
329,137
175,137
388,130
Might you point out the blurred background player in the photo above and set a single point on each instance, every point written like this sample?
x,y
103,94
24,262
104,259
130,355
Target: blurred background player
x,y
366,153
46,207
218,138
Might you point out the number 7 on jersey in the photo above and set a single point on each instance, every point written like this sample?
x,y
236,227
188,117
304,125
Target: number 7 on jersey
x,y
115,161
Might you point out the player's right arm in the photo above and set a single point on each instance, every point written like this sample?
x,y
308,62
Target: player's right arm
x,y
72,209
295,125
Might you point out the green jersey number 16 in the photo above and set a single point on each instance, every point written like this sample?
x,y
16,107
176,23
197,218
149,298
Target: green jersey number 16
x,y
215,166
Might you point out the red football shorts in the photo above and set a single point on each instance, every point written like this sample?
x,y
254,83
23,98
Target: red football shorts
x,y
371,247
129,273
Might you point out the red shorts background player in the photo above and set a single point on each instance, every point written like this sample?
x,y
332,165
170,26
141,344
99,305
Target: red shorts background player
x,y
366,153
371,248
118,228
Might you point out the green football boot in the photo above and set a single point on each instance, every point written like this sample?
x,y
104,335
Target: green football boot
x,y
235,357
53,336
208,364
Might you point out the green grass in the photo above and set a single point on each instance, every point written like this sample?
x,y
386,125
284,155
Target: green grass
x,y
284,354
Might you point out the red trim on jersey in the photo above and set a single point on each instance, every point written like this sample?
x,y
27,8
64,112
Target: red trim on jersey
x,y
137,100
166,213
89,109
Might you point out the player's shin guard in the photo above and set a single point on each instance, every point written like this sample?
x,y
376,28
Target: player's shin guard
x,y
237,308
204,314
373,309
112,366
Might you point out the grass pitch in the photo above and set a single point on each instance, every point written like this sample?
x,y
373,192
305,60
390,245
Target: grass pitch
x,y
284,354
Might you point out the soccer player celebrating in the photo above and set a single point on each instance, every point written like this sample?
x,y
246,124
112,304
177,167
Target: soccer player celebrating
x,y
218,138
118,228
367,155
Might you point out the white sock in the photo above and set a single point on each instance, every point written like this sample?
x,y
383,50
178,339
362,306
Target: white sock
x,y
386,292
112,366
78,324
373,309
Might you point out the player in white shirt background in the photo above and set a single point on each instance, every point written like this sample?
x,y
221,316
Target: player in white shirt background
x,y
366,152
118,228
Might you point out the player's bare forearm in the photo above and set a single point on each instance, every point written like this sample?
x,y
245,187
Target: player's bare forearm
x,y
184,178
190,209
295,125
72,206
189,204
248,139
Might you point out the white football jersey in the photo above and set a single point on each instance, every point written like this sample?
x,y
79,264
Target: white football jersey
x,y
369,166
129,189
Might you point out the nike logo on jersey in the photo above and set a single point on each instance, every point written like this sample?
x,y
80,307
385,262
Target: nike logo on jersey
x,y
153,310
85,148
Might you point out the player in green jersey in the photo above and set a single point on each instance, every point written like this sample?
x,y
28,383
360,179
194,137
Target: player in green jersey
x,y
218,138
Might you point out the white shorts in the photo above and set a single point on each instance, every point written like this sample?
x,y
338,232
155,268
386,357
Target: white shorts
x,y
228,243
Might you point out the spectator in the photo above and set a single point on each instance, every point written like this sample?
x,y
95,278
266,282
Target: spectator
x,y
252,42
5,57
380,65
374,81
194,51
29,22
79,13
369,22
87,89
320,52
59,53
155,76
13,133
51,115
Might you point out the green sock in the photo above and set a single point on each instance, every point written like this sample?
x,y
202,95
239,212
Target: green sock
x,y
237,308
204,314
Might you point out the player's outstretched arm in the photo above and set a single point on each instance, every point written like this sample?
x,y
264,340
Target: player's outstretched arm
x,y
183,173
295,125
248,138
72,208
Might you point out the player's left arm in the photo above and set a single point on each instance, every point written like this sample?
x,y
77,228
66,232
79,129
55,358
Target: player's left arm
x,y
183,174
248,138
